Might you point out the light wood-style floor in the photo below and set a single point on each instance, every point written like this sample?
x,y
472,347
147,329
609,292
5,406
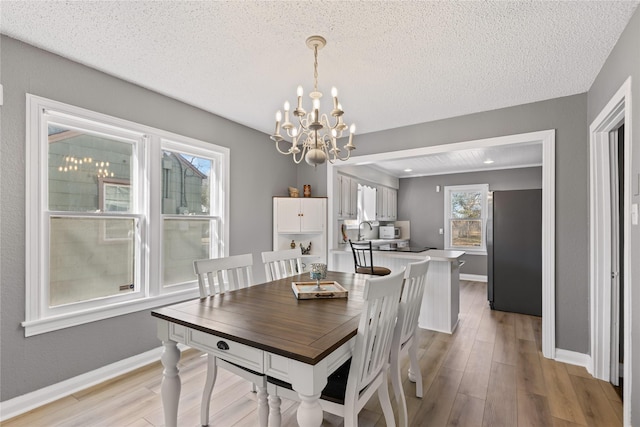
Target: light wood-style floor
x,y
490,373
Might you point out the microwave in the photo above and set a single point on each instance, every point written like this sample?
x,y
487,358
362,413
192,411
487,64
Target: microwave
x,y
389,232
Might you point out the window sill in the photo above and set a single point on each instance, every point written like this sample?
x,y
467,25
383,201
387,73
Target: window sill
x,y
41,326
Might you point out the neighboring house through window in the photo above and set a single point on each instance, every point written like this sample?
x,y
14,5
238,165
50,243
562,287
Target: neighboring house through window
x,y
117,212
465,213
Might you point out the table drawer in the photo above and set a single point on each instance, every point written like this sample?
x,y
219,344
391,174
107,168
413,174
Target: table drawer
x,y
231,351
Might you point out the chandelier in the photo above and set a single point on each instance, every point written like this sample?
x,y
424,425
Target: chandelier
x,y
314,137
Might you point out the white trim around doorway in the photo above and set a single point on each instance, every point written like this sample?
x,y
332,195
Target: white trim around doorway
x,y
616,112
547,140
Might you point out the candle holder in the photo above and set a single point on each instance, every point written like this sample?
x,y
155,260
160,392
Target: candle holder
x,y
318,272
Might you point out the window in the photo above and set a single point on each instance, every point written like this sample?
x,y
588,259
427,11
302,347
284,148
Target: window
x,y
465,215
117,215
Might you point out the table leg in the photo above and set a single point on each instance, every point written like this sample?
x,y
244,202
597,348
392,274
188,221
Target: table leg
x,y
309,411
170,388
275,418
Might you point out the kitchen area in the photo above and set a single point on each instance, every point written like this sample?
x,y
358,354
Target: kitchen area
x,y
368,211
404,219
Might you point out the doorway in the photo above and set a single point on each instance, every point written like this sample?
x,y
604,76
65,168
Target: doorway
x,y
546,140
610,291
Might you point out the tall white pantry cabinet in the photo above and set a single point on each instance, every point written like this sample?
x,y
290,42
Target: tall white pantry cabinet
x,y
302,221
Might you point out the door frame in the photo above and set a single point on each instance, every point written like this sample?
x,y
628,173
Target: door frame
x,y
546,138
616,112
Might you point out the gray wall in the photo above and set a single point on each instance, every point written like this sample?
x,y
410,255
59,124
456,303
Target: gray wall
x,y
419,203
624,61
28,364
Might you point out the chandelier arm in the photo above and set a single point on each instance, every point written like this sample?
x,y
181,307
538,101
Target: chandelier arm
x,y
296,160
342,159
336,123
279,150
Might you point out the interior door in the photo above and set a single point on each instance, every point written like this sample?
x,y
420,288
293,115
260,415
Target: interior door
x,y
615,260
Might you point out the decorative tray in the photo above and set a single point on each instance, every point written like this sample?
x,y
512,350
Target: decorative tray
x,y
329,289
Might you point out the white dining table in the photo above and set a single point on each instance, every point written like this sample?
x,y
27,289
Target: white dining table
x,y
265,328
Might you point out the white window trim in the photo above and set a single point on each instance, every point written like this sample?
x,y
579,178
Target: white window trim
x,y
484,188
38,319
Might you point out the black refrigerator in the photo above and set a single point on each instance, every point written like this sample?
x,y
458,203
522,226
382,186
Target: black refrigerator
x,y
514,251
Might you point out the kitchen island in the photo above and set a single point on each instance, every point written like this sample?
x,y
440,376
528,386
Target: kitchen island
x,y
441,300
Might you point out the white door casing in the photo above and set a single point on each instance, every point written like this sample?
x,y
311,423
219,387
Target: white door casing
x,y
616,112
546,139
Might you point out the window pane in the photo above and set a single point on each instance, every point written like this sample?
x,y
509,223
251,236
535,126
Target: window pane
x,y
185,240
116,197
77,163
466,204
90,258
185,184
467,233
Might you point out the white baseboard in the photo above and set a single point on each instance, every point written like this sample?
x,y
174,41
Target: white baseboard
x,y
573,358
27,402
473,277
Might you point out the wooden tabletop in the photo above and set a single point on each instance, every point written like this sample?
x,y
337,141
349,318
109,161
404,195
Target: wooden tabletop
x,y
269,317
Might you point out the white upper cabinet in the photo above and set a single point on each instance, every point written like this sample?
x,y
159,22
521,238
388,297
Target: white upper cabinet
x,y
301,222
300,215
387,204
347,197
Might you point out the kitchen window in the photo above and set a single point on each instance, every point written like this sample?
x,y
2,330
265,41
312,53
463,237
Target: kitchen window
x,y
116,214
465,215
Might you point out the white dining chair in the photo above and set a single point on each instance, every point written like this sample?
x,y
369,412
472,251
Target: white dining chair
x,y
280,264
415,279
353,384
217,276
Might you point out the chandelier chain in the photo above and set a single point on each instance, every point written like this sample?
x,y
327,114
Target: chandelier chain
x,y
315,68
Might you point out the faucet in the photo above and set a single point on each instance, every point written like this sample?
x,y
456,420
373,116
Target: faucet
x,y
360,235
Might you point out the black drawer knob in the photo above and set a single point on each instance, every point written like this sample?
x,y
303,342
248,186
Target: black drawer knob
x,y
222,345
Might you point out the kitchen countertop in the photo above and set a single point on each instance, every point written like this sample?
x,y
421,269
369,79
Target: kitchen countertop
x,y
434,254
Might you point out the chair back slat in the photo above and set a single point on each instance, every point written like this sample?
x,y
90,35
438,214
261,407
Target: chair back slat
x,y
415,280
362,255
281,264
375,330
218,275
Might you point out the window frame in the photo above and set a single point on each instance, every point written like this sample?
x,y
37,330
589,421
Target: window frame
x,y
484,190
147,199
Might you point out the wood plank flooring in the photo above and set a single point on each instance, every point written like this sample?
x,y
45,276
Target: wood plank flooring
x,y
489,373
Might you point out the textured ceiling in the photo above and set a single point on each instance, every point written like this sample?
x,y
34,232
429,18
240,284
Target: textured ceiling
x,y
395,63
467,160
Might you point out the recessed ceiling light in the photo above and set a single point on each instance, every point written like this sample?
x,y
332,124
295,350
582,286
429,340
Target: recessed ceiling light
x,y
488,162
408,170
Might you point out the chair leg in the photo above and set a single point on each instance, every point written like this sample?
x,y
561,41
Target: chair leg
x,y
350,419
275,418
385,402
414,368
263,406
398,391
212,371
